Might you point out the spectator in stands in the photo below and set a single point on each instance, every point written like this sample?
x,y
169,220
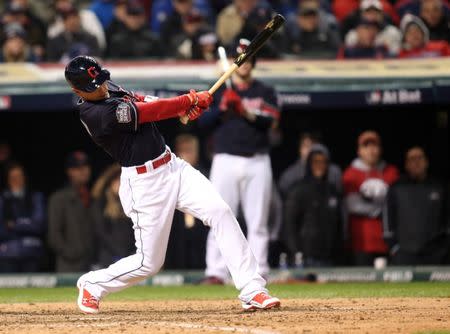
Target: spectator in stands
x,y
15,48
404,7
132,39
104,10
416,42
347,12
167,14
365,46
388,36
366,182
231,19
173,24
309,34
71,219
73,41
18,11
296,172
313,213
22,223
433,14
118,19
186,44
254,23
115,238
89,22
5,158
415,222
289,8
206,47
187,241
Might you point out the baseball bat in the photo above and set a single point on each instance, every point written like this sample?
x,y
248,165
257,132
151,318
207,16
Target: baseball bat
x,y
271,27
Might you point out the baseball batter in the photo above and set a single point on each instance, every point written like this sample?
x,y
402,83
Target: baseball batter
x,y
154,182
241,169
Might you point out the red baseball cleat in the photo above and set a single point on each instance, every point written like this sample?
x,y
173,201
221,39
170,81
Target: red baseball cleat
x,y
87,302
261,301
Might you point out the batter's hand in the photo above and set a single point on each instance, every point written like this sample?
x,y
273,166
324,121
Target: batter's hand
x,y
194,112
202,99
231,101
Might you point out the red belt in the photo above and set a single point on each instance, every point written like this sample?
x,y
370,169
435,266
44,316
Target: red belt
x,y
155,163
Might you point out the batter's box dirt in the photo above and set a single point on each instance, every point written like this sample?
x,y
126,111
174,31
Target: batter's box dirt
x,y
362,315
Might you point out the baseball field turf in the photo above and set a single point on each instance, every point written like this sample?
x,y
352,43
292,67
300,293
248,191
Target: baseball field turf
x,y
417,307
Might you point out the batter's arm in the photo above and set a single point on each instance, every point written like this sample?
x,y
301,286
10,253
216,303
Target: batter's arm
x,y
178,106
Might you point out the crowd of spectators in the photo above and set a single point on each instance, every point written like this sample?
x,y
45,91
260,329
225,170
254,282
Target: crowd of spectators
x,y
319,214
58,30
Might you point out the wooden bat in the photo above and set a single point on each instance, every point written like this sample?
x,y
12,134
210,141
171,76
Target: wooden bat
x,y
249,52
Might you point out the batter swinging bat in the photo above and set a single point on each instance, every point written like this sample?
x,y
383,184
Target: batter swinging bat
x,y
250,51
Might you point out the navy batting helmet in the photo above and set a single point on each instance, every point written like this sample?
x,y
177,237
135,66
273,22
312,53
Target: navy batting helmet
x,y
85,73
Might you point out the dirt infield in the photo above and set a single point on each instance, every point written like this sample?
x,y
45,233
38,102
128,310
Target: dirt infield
x,y
362,315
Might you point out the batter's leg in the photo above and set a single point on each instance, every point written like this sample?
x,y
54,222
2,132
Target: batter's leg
x,y
224,177
199,198
149,200
256,192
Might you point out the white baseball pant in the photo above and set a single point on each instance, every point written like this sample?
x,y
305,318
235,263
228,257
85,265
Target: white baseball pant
x,y
150,199
245,180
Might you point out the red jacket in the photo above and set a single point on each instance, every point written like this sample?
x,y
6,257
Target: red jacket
x,y
366,230
431,50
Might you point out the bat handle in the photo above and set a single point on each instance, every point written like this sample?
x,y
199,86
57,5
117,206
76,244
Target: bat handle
x,y
215,87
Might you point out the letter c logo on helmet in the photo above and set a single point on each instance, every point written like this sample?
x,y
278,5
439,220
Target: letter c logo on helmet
x,y
92,71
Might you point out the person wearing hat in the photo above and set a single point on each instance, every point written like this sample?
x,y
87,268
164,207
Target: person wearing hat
x,y
185,44
73,40
19,12
388,36
131,37
366,182
365,47
241,170
71,218
350,19
313,216
15,48
172,24
154,183
416,43
310,33
346,11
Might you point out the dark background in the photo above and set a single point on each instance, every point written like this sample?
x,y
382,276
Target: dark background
x,y
41,140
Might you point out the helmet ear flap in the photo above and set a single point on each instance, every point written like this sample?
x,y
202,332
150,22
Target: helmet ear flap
x,y
106,73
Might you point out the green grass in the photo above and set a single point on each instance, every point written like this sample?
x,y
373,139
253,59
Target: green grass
x,y
329,290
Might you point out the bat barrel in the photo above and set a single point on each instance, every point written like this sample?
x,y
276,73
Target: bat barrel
x,y
257,42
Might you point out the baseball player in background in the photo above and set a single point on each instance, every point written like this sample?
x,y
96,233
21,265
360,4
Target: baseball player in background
x,y
154,182
241,169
